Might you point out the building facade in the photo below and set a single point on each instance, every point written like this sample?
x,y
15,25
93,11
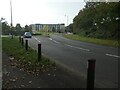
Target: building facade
x,y
48,27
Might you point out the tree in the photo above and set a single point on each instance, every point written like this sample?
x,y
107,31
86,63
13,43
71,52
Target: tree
x,y
18,29
69,28
45,28
28,28
98,20
5,28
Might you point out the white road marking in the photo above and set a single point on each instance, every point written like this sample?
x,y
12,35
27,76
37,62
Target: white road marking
x,y
37,40
82,49
112,55
77,47
70,45
55,41
50,38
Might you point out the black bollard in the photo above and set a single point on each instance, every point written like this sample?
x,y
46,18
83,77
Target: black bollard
x,y
26,46
39,52
91,74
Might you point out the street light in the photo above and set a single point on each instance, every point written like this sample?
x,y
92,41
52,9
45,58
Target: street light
x,y
11,17
67,19
1,27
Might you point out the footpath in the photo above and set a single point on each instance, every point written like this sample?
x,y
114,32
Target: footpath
x,y
14,77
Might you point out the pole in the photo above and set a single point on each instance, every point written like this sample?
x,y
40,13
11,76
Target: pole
x,y
26,46
11,17
39,52
67,20
91,74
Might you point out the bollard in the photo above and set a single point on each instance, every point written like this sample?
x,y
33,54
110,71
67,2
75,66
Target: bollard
x,y
26,46
39,52
91,74
19,38
22,42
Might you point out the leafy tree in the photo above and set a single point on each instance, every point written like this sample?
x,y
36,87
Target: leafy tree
x,y
69,28
28,28
45,28
5,28
18,29
98,20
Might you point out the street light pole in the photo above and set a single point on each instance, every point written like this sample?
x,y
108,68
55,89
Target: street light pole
x,y
67,19
11,17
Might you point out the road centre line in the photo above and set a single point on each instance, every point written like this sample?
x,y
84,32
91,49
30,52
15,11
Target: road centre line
x,y
55,41
37,40
50,38
112,55
78,47
70,45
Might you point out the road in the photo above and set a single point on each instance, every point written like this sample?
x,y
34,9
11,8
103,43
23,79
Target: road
x,y
73,55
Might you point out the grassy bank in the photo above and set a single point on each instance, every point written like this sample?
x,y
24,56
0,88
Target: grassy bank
x,y
22,58
94,40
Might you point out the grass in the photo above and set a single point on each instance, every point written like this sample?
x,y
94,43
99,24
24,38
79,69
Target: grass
x,y
45,33
27,58
94,40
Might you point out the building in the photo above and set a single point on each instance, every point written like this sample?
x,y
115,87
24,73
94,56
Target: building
x,y
48,27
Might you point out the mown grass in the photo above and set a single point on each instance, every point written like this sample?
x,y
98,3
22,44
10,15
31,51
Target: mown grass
x,y
94,40
45,33
28,58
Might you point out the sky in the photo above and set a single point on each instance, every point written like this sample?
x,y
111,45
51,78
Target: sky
x,y
40,11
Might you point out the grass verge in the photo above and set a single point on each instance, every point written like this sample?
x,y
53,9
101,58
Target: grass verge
x,y
25,59
94,40
44,33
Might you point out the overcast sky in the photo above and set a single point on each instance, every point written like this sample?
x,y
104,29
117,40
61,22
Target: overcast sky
x,y
40,11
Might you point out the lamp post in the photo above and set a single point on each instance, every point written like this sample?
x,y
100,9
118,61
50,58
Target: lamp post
x,y
11,17
67,19
1,27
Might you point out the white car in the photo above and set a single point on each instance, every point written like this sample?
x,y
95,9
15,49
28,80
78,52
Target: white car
x,y
27,35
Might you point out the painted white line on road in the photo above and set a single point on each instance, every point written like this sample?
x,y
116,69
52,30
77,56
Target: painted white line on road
x,y
77,47
50,38
55,41
112,55
68,45
37,40
82,49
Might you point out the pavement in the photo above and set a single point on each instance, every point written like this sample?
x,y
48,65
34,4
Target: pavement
x,y
58,77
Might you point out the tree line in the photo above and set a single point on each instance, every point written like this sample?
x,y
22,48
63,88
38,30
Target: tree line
x,y
17,30
97,20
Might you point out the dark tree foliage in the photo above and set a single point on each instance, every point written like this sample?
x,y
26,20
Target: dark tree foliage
x,y
98,20
69,28
5,28
18,29
28,28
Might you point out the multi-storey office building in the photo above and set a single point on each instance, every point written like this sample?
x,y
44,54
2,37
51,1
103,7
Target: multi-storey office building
x,y
48,27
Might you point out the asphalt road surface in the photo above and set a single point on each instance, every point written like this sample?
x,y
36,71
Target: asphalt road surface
x,y
74,55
